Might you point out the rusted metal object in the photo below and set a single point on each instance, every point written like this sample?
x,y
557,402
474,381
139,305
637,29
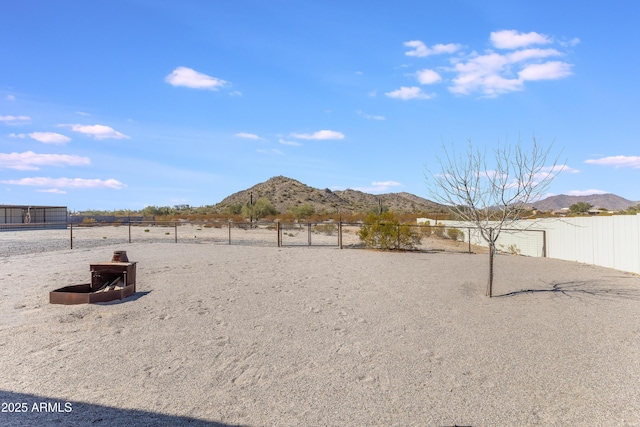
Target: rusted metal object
x,y
119,256
109,281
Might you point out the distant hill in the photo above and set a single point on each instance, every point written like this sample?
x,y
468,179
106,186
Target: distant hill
x,y
286,193
608,201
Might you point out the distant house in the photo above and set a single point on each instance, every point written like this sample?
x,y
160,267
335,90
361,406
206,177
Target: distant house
x,y
561,212
597,211
23,217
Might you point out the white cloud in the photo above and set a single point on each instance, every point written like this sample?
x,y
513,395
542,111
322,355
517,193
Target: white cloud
x,y
386,184
482,74
82,113
52,191
560,168
548,71
617,161
550,172
530,54
421,50
246,135
271,151
574,41
427,77
511,39
187,77
586,192
98,132
492,74
235,93
370,116
14,120
32,161
319,135
44,137
293,143
10,98
406,93
379,186
78,183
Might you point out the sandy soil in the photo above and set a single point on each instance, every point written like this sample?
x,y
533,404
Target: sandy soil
x,y
262,336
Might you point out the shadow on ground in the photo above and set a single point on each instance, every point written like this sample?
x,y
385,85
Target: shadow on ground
x,y
44,411
577,289
133,297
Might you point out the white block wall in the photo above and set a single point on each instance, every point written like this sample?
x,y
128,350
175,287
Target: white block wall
x,y
608,241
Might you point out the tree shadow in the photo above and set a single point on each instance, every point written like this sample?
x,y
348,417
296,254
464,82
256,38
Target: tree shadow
x,y
577,289
44,411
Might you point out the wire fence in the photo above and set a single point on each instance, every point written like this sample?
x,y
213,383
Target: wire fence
x,y
264,233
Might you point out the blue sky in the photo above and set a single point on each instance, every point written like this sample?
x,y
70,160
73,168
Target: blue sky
x,y
125,103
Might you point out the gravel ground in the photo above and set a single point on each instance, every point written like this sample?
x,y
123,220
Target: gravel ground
x,y
260,336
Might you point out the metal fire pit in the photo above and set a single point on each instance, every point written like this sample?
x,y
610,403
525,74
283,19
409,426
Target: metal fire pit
x,y
109,281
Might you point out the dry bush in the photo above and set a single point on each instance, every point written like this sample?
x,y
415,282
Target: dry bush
x,y
385,232
326,228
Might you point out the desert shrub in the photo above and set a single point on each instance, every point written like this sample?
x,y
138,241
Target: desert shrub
x,y
455,234
426,229
512,249
384,231
303,211
88,221
327,228
234,209
580,207
439,230
633,209
263,207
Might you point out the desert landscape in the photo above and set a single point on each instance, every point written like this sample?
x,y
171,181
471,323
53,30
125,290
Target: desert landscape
x,y
264,234
257,336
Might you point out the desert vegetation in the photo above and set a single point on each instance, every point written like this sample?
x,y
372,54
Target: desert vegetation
x,y
580,208
384,231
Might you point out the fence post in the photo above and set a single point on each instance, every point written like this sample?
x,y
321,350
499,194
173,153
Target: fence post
x,y
278,231
469,238
398,245
544,243
71,236
340,234
229,226
175,232
129,231
309,233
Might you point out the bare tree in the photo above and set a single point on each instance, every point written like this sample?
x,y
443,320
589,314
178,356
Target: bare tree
x,y
492,195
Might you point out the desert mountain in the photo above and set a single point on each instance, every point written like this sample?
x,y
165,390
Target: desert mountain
x,y
286,193
608,201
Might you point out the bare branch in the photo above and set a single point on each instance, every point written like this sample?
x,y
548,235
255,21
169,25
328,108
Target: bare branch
x,y
492,198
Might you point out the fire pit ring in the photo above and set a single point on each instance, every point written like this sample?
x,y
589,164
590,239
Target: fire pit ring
x,y
109,281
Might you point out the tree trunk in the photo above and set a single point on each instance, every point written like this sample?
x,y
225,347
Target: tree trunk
x,y
491,251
